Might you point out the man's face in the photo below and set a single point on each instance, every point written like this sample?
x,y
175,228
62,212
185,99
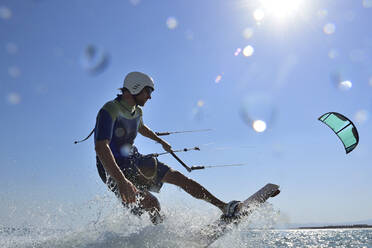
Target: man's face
x,y
143,96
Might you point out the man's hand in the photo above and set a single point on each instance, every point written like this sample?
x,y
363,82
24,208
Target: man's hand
x,y
127,191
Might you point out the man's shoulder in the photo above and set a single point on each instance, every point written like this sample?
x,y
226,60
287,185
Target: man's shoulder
x,y
112,108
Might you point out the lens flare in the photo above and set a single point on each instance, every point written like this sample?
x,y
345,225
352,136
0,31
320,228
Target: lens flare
x,y
218,79
281,8
200,103
172,23
237,52
248,51
258,15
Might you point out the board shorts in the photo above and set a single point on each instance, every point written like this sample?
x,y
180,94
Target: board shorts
x,y
131,167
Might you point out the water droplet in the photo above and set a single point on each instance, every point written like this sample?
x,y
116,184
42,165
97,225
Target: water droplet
x,y
259,126
357,55
333,53
11,48
258,15
345,85
322,13
14,71
257,111
248,33
189,35
126,150
14,98
361,116
172,23
5,13
119,132
367,3
350,15
329,28
248,51
135,2
94,60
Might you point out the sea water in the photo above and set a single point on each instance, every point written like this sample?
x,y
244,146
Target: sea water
x,y
104,223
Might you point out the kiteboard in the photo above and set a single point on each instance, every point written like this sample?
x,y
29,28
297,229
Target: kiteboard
x,y
220,227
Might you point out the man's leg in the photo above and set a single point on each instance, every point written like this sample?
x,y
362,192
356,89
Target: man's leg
x,y
192,187
150,204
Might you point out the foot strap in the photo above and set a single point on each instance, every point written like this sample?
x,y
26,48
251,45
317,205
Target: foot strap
x,y
231,209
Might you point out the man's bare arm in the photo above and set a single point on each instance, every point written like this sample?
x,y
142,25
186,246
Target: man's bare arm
x,y
107,159
147,132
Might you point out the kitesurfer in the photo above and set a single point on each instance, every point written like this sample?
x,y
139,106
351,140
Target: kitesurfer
x,y
129,174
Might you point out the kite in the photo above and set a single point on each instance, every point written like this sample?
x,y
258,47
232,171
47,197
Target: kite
x,y
343,128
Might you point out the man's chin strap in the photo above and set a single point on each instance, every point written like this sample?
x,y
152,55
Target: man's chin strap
x,y
135,99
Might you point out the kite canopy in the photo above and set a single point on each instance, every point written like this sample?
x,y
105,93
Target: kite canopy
x,y
343,128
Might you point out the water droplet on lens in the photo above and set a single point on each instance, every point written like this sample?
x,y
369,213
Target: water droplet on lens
x,y
5,13
259,126
257,111
248,33
135,2
126,150
361,116
333,53
11,48
14,71
329,28
14,98
345,85
119,132
322,13
367,3
94,60
189,35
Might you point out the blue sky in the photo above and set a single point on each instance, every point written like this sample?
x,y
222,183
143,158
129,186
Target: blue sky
x,y
195,51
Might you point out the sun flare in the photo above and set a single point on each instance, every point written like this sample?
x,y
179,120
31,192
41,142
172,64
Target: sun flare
x,y
281,8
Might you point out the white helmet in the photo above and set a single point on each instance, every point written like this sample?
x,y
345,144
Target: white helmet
x,y
135,82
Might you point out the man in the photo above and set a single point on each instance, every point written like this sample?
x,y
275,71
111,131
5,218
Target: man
x,y
130,175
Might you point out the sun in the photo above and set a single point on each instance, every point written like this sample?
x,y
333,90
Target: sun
x,y
281,8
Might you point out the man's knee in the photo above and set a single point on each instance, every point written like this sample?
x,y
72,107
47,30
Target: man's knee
x,y
149,202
